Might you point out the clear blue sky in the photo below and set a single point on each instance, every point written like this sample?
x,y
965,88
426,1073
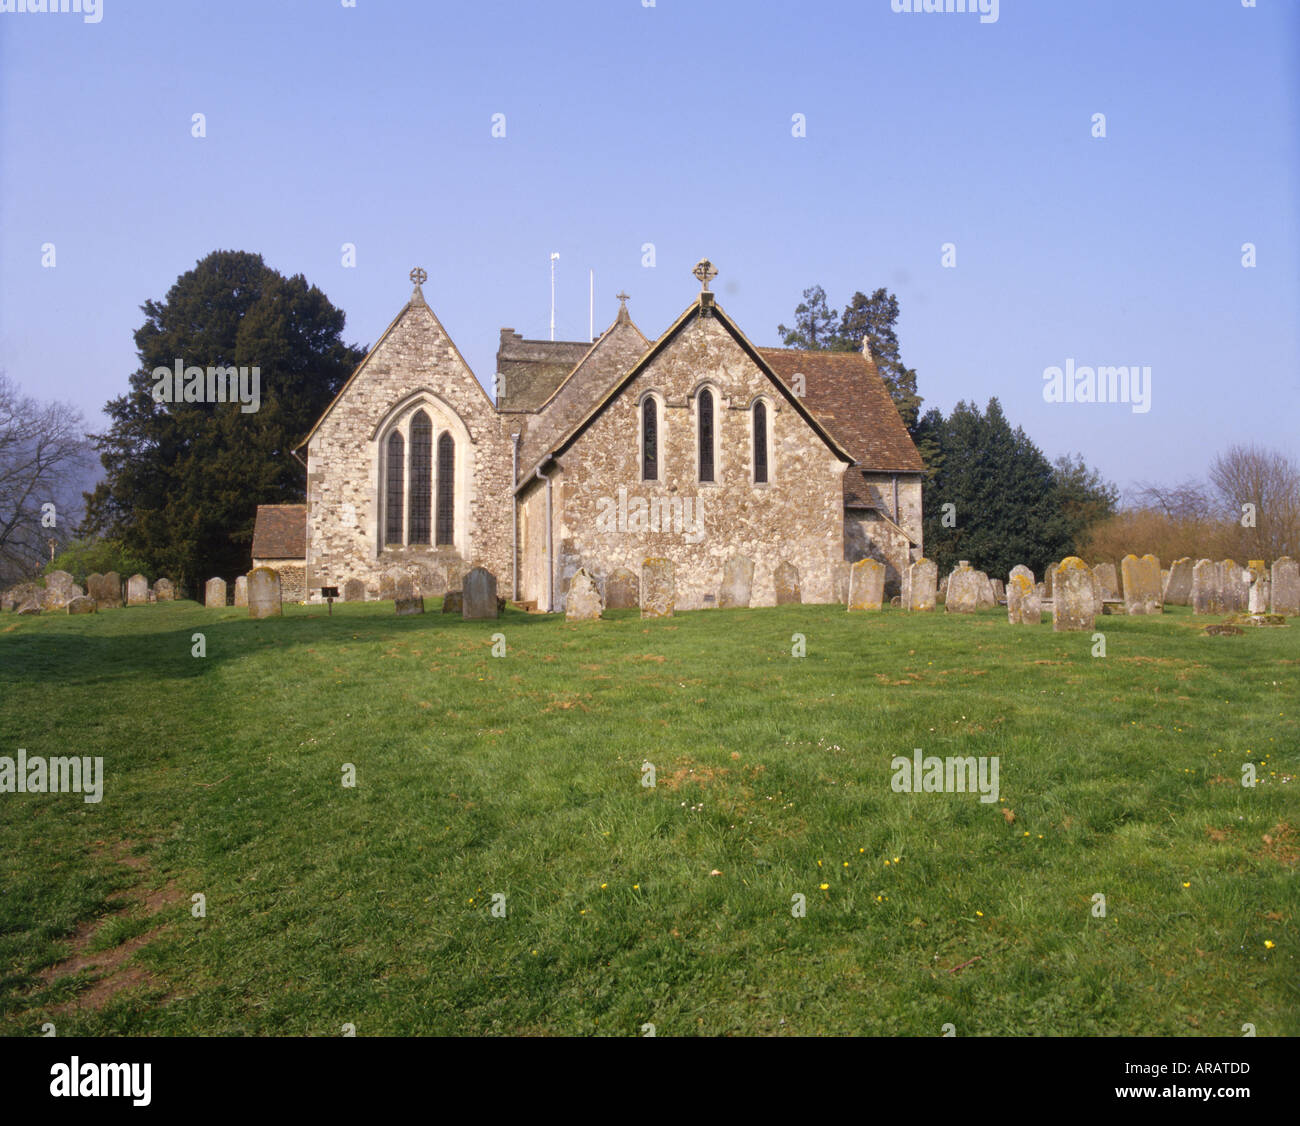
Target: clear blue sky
x,y
672,125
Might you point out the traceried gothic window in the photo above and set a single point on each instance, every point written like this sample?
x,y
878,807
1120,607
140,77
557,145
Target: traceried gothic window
x,y
446,490
649,440
760,444
396,466
421,479
705,409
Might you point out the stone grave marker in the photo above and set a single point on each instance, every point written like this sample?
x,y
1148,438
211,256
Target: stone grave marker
x,y
866,585
737,582
214,593
922,579
622,590
137,591
1074,601
786,580
658,588
241,590
1285,587
264,593
479,596
1024,608
583,603
354,590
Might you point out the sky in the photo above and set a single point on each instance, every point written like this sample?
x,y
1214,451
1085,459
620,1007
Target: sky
x,y
671,125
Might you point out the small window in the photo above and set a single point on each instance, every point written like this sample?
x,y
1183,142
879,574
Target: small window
x,y
396,466
421,497
706,435
649,440
446,490
760,444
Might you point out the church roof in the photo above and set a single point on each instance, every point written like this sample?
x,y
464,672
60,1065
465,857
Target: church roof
x,y
280,532
529,371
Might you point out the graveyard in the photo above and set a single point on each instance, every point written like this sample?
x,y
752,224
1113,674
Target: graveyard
x,y
418,824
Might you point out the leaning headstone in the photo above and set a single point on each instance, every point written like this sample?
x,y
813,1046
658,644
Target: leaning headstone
x,y
164,590
1074,604
987,599
1257,599
82,605
583,602
214,592
241,590
786,580
264,593
453,602
1178,591
137,591
1207,595
919,585
1236,588
737,582
1141,579
658,588
1105,573
964,587
108,592
479,595
866,585
622,590
354,590
408,606
1024,608
1284,587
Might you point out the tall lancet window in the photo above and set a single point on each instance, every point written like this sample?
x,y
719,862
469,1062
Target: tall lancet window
x,y
421,486
395,469
760,444
706,435
446,490
649,441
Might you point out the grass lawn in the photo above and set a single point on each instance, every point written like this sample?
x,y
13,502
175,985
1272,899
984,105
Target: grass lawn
x,y
521,776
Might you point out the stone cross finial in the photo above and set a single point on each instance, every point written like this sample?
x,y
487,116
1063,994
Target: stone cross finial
x,y
705,271
418,276
623,297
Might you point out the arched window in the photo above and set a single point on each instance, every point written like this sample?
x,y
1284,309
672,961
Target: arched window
x,y
760,444
446,490
396,467
421,497
706,434
649,440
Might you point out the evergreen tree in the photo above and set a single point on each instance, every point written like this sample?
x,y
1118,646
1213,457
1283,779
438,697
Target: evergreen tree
x,y
873,318
816,324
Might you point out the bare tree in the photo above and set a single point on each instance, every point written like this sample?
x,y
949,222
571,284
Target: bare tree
x,y
1259,490
44,457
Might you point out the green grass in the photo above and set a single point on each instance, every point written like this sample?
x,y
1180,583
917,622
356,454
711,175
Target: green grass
x,y
521,775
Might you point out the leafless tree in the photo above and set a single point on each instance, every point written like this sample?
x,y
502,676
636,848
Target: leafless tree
x,y
1260,490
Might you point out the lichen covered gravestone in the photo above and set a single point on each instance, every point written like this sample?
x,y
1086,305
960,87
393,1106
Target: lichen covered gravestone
x,y
405,607
786,580
919,585
137,591
1023,605
658,588
479,595
1207,596
1257,599
1073,599
82,605
354,590
1105,573
264,593
964,587
987,599
107,592
214,593
241,590
1235,587
452,602
583,602
1285,587
1178,591
841,578
622,590
737,582
164,590
866,585
1141,577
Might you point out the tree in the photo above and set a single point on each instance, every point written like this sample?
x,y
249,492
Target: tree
x,y
1259,490
44,456
815,323
1084,497
873,319
184,479
82,557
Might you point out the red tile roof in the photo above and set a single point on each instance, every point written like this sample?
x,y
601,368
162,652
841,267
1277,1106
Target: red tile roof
x,y
280,532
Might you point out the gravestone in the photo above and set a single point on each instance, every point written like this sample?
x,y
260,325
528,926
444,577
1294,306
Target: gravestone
x,y
622,590
1021,569
1042,591
430,580
1074,605
737,582
922,578
1178,591
164,590
388,583
1141,584
841,577
964,587
81,605
658,588
1024,607
786,580
1105,573
264,593
1285,587
63,584
1257,599
57,597
354,590
1235,587
583,603
1049,578
405,607
453,602
987,599
108,593
214,592
404,586
137,591
1207,595
999,589
866,585
241,590
479,596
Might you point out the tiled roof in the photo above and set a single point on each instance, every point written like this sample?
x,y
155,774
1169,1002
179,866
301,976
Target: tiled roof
x,y
529,371
280,532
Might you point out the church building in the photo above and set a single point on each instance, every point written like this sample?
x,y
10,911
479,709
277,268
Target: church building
x,y
696,447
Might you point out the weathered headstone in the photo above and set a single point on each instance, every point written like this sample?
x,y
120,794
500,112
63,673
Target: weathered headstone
x,y
214,592
866,585
241,590
987,599
137,591
841,578
82,605
999,589
164,590
453,602
1178,591
1105,573
583,602
264,593
388,583
1236,588
1021,569
1074,605
1049,578
1284,587
430,580
658,588
1257,599
1141,584
108,590
786,580
1024,608
622,590
354,590
737,582
62,582
919,585
404,607
1207,593
479,595
964,587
